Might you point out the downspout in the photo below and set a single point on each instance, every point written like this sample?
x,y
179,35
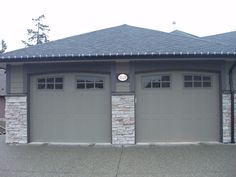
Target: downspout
x,y
231,85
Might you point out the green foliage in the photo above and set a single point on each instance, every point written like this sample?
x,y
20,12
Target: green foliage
x,y
39,34
3,46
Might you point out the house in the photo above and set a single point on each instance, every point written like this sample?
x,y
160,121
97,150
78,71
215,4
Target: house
x,y
2,93
121,85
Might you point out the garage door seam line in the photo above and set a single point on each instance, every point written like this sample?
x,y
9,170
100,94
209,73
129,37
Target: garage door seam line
x,y
118,165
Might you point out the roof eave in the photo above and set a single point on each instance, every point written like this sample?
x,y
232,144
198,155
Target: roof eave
x,y
103,57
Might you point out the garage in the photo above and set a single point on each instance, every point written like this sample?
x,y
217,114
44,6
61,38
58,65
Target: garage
x,y
70,107
177,107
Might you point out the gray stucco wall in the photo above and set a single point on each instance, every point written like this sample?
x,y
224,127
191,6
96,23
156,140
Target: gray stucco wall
x,y
16,79
2,82
2,107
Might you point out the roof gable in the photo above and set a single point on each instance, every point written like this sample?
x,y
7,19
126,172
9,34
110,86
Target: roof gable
x,y
182,33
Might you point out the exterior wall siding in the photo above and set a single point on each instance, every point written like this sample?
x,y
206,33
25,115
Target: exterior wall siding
x,y
16,119
2,107
226,115
123,120
234,78
2,82
16,79
234,117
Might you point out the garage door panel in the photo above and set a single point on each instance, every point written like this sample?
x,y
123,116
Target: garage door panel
x,y
177,113
166,130
60,130
70,114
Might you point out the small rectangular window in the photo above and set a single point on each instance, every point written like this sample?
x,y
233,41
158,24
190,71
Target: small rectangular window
x,y
50,83
50,80
197,78
41,80
41,83
156,85
156,81
188,84
197,81
206,84
188,78
197,84
89,82
165,78
206,78
99,85
58,86
80,85
59,79
89,85
41,86
165,85
50,86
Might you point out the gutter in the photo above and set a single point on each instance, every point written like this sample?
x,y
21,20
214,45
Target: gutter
x,y
232,100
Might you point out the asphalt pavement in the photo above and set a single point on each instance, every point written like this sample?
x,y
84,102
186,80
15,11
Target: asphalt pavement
x,y
202,160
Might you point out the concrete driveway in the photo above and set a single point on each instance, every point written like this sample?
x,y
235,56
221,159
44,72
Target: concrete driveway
x,y
107,161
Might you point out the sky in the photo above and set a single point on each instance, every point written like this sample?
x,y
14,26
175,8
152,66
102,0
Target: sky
x,y
72,17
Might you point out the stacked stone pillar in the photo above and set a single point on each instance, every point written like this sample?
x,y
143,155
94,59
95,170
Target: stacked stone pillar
x,y
16,119
123,120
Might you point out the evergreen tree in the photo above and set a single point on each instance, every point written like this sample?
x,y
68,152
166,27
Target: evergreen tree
x,y
3,46
39,34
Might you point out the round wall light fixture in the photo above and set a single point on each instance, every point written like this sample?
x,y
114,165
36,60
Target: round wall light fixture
x,y
122,77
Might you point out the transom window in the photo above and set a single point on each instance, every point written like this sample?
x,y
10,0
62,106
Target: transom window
x,y
50,83
89,82
197,81
156,81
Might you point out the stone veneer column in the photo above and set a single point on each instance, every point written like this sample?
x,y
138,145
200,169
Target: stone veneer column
x,y
123,119
226,112
16,119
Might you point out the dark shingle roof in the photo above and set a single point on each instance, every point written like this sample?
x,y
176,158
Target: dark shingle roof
x,y
119,41
182,33
224,38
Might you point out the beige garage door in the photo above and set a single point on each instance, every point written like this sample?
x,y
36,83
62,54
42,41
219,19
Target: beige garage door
x,y
70,108
177,107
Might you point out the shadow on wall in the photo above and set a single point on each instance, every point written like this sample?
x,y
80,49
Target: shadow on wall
x,y
2,100
2,115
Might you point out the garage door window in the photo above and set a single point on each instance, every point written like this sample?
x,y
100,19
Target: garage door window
x,y
50,83
197,81
89,82
156,81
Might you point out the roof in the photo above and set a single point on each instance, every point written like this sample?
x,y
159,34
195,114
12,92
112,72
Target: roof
x,y
224,38
182,33
120,41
